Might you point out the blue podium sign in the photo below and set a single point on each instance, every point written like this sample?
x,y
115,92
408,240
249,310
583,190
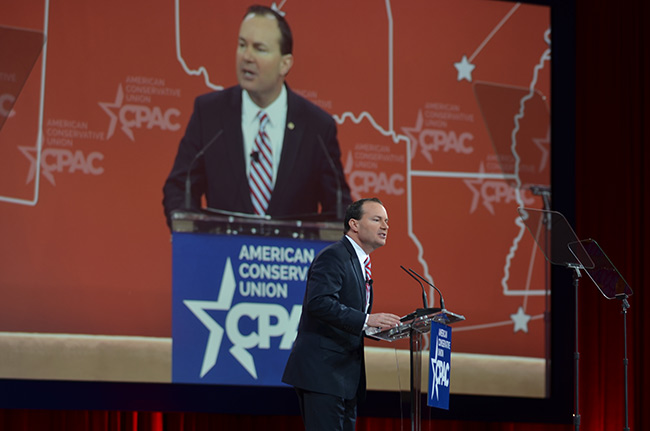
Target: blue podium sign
x,y
236,304
440,366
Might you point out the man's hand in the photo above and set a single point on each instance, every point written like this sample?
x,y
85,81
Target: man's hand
x,y
383,320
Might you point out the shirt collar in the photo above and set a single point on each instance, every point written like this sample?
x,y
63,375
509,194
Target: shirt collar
x,y
276,111
361,254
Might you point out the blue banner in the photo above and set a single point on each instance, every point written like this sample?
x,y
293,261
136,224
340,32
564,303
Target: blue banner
x,y
440,366
236,305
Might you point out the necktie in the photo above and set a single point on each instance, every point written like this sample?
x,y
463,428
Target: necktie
x,y
261,173
368,267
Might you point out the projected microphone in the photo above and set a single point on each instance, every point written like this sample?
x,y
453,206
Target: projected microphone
x,y
188,182
540,190
442,301
255,155
339,192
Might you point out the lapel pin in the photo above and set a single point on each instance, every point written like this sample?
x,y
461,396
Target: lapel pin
x,y
291,126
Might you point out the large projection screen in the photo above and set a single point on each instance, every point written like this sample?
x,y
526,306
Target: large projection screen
x,y
443,111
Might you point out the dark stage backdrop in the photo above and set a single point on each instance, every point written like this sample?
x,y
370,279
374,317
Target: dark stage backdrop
x,y
612,206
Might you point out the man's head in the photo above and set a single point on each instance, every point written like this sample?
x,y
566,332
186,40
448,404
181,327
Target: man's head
x,y
264,54
366,222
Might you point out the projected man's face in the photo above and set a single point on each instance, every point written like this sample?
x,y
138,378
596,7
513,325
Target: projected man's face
x,y
261,67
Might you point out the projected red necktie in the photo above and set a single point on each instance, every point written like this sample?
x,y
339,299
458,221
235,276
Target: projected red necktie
x,y
368,267
261,173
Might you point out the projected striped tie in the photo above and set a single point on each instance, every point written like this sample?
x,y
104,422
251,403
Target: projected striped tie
x,y
261,173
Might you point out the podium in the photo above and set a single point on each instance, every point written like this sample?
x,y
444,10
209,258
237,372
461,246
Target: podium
x,y
238,284
414,326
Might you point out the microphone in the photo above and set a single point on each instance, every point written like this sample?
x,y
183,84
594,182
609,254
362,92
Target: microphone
x,y
442,301
188,181
255,155
339,192
425,303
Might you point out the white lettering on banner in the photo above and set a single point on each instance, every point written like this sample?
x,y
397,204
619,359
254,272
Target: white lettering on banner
x,y
273,272
58,160
262,289
276,254
440,368
493,192
6,102
63,160
133,116
364,182
286,326
140,115
437,140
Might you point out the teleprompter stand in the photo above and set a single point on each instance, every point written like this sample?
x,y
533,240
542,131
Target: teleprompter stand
x,y
415,326
560,245
553,234
613,286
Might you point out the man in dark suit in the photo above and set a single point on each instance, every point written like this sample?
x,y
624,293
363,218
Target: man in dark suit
x,y
326,364
304,164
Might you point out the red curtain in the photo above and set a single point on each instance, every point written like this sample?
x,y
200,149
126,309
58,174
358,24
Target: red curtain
x,y
612,203
612,207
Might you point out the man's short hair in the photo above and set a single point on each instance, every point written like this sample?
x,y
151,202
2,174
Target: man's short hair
x,y
355,211
286,38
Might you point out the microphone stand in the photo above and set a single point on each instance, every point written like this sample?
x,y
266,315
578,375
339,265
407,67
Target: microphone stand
x,y
335,172
576,355
624,306
420,311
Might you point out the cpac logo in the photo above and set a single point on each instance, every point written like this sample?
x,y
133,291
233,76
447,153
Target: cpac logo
x,y
364,182
434,140
439,367
273,320
62,160
6,102
137,116
490,192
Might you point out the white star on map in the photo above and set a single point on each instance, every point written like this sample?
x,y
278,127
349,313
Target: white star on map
x,y
464,68
520,320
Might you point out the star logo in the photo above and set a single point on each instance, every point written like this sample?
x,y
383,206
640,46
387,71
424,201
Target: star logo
x,y
464,68
108,107
520,319
413,134
474,186
434,362
224,302
30,154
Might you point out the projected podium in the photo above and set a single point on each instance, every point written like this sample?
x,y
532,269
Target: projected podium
x,y
415,326
237,289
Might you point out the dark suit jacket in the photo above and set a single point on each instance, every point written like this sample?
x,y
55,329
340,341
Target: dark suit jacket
x,y
327,356
305,177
